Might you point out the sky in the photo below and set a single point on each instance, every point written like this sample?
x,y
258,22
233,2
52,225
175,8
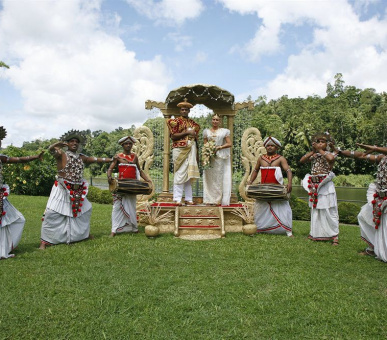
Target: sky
x,y
92,64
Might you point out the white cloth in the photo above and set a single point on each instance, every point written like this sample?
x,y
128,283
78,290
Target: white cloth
x,y
324,217
124,214
217,180
11,227
375,238
273,217
189,168
59,224
180,189
186,173
124,217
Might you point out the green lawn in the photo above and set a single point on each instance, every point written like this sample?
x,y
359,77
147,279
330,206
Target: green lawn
x,y
239,287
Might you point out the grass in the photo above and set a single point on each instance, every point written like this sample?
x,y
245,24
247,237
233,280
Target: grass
x,y
239,287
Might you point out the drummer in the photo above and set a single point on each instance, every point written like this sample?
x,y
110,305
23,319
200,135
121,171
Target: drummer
x,y
124,217
274,217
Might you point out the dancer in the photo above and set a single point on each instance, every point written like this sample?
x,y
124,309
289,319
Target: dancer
x,y
184,132
323,200
217,179
11,220
274,217
373,215
68,211
124,217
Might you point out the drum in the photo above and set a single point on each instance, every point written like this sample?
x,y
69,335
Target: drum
x,y
127,171
130,187
267,192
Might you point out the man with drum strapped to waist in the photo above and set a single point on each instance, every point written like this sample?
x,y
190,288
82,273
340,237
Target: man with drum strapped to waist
x,y
184,132
124,216
68,211
273,217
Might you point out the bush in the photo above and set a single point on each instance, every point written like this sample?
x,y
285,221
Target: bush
x,y
98,195
348,212
34,178
358,181
300,209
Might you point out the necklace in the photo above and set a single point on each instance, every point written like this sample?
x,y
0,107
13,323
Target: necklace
x,y
270,159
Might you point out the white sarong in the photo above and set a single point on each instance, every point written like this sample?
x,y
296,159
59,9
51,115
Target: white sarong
x,y
324,217
11,227
375,238
273,217
124,218
59,224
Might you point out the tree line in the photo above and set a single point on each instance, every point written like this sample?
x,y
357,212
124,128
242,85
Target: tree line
x,y
349,114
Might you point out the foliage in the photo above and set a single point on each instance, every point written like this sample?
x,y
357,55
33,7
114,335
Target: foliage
x,y
98,195
348,212
300,209
359,181
3,64
34,178
130,287
349,114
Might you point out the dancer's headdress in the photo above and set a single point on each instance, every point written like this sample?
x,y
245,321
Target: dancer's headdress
x,y
127,138
271,141
80,135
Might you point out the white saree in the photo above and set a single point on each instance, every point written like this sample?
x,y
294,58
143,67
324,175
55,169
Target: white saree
x,y
217,179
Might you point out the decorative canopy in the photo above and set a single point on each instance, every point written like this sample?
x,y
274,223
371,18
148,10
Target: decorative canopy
x,y
211,96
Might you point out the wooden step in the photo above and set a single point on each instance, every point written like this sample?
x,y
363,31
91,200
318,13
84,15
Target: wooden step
x,y
199,220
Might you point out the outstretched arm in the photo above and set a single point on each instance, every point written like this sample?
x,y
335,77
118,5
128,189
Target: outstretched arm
x,y
24,159
364,155
90,159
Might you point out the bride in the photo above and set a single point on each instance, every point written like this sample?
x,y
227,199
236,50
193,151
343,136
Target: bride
x,y
217,179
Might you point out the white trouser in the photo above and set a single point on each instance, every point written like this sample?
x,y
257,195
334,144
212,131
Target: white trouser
x,y
178,190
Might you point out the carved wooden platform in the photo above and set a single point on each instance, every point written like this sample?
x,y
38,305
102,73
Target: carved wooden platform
x,y
198,215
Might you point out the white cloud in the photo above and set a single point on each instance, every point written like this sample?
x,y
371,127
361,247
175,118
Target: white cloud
x,y
341,43
70,73
168,12
182,42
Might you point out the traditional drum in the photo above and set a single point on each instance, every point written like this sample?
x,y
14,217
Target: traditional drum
x,y
130,187
127,171
267,192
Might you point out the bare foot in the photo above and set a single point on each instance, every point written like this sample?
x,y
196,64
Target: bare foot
x,y
291,235
189,203
91,237
112,234
42,246
335,243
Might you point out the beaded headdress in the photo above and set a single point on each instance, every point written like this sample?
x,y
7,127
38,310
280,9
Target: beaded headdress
x,y
80,135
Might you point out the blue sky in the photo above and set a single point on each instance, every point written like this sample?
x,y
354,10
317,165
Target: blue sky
x,y
77,64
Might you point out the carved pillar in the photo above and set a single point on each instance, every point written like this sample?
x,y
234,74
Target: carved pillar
x,y
166,156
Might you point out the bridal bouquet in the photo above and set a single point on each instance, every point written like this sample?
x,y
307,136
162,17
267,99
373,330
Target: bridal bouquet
x,y
208,152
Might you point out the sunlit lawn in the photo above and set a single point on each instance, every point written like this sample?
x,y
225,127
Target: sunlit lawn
x,y
239,287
